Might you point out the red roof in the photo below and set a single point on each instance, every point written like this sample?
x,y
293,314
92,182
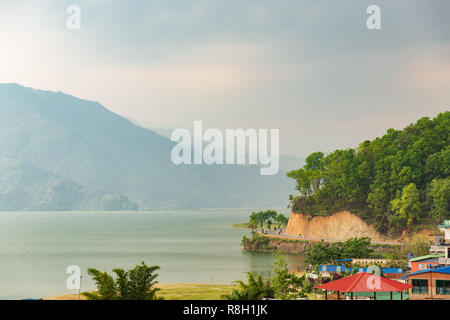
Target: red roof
x,y
365,282
394,275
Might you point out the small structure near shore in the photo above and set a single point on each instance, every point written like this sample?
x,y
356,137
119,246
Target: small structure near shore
x,y
364,282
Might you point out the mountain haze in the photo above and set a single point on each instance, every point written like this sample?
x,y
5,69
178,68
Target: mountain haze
x,y
108,162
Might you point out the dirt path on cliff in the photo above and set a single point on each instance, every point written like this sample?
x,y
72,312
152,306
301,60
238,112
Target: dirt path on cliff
x,y
282,235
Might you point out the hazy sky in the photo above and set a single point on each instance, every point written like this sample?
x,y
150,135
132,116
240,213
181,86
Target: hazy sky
x,y
310,68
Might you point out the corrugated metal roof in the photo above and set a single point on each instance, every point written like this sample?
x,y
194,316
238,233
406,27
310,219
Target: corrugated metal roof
x,y
404,277
428,256
344,260
428,260
392,270
364,282
393,275
438,270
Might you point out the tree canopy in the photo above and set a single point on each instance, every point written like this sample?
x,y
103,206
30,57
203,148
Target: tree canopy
x,y
135,284
268,217
391,182
284,285
328,252
255,289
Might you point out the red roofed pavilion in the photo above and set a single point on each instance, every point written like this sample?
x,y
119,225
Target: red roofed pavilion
x,y
364,282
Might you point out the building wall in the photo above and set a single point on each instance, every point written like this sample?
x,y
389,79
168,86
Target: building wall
x,y
431,277
447,234
370,261
415,266
394,276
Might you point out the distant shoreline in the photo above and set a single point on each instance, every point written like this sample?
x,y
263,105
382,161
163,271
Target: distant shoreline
x,y
135,211
243,225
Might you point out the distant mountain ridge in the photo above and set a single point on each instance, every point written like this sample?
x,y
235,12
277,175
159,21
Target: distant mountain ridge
x,y
26,187
287,162
108,158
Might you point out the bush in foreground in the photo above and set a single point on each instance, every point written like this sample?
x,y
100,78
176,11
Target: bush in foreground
x,y
135,284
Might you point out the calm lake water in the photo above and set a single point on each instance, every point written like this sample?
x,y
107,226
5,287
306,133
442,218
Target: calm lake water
x,y
190,246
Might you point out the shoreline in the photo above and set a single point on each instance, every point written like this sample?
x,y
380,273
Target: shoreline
x,y
270,242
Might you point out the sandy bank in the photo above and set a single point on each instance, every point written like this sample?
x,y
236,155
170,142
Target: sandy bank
x,y
341,225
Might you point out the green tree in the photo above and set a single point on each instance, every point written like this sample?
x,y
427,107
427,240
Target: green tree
x,y
357,248
135,284
375,180
325,252
285,284
269,216
262,217
438,196
106,286
408,207
315,165
304,180
322,253
418,246
255,289
281,220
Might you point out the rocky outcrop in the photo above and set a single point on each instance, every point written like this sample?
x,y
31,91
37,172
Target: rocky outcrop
x,y
339,226
264,244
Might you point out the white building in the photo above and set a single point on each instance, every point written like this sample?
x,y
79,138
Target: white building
x,y
444,245
446,229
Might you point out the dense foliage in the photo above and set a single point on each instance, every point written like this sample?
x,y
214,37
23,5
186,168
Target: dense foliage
x,y
135,284
24,186
267,218
391,182
284,285
256,288
417,246
328,252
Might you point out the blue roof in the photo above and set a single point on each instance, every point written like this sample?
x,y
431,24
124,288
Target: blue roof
x,y
404,277
439,270
392,270
344,260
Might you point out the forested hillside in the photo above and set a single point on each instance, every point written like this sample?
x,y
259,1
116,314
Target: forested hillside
x,y
393,182
24,187
59,152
